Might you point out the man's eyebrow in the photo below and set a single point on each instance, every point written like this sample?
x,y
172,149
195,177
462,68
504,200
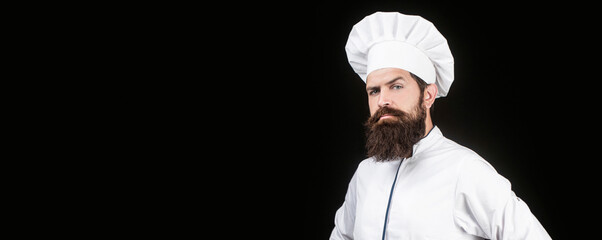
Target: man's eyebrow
x,y
395,79
388,83
370,89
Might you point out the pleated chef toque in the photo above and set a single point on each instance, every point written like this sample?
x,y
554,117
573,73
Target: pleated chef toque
x,y
411,43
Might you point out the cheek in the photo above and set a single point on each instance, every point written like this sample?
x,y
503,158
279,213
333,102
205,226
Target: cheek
x,y
373,105
407,103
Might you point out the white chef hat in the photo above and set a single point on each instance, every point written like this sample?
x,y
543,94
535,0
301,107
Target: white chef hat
x,y
411,43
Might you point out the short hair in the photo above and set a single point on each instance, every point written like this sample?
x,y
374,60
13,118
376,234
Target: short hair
x,y
421,85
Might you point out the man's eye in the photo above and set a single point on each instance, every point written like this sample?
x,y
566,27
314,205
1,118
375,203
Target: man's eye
x,y
373,92
396,87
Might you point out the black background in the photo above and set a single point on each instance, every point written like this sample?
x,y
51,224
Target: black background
x,y
524,98
244,118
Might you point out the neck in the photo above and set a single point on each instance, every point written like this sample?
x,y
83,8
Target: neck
x,y
428,126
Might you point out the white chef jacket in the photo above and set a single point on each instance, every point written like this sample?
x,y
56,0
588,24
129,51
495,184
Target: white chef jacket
x,y
444,191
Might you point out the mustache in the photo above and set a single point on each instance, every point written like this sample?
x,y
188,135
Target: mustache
x,y
401,115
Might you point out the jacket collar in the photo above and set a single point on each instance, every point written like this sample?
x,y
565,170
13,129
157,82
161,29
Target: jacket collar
x,y
427,141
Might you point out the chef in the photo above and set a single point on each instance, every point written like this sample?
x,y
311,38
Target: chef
x,y
417,184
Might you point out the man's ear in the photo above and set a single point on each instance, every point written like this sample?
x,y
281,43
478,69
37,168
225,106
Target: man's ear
x,y
430,93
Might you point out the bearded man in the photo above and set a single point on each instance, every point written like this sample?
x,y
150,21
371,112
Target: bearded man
x,y
417,184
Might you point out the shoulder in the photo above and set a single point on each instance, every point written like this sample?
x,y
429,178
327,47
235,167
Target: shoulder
x,y
459,151
367,162
453,154
470,163
372,170
372,163
477,177
470,166
366,166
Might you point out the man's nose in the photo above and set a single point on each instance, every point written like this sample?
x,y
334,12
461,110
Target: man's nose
x,y
384,100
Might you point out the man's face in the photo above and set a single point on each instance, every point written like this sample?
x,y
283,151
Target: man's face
x,y
398,116
393,88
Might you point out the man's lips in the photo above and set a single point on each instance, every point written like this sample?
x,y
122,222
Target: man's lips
x,y
386,116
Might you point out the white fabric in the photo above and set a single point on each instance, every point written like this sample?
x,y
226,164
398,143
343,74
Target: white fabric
x,y
396,54
444,191
411,43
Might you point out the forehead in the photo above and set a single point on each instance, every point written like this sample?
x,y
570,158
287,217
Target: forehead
x,y
383,75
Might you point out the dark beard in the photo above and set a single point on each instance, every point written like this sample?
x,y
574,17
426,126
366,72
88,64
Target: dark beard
x,y
395,137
